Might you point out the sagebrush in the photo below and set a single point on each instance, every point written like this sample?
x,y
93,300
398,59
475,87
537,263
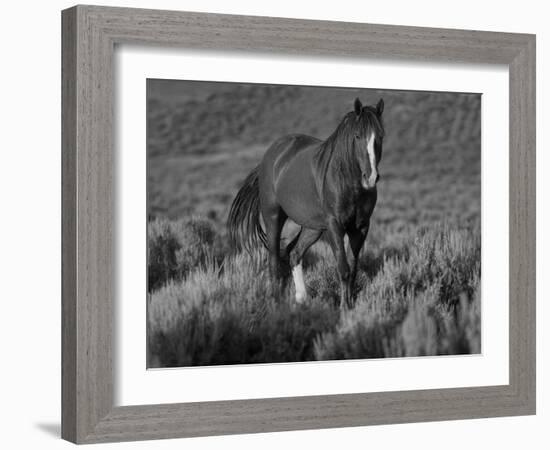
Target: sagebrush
x,y
421,298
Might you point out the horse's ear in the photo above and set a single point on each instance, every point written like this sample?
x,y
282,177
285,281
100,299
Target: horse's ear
x,y
380,107
358,107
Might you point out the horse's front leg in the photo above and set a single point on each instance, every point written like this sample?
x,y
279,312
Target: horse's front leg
x,y
336,234
356,240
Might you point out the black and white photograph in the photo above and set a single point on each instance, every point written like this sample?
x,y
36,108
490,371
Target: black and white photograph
x,y
304,223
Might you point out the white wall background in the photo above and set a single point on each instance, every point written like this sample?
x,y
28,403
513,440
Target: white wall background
x,y
30,234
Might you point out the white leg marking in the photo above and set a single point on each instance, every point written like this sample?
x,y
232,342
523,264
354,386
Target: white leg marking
x,y
299,284
372,159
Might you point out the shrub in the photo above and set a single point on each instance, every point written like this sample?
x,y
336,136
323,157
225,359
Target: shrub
x,y
419,298
423,301
229,315
175,248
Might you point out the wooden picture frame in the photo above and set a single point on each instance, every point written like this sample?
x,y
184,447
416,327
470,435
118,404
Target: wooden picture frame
x,y
90,34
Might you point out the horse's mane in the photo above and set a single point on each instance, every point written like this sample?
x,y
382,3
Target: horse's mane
x,y
337,152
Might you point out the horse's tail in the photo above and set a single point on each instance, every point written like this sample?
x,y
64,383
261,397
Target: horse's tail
x,y
243,223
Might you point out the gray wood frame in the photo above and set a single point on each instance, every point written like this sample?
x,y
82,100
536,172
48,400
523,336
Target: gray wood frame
x,y
89,36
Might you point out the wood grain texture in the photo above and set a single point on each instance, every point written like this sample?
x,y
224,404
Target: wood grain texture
x,y
523,224
68,226
89,36
88,207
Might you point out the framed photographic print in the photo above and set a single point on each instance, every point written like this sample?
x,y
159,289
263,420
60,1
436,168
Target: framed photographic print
x,y
268,222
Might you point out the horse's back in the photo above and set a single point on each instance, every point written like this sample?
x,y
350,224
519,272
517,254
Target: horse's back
x,y
286,148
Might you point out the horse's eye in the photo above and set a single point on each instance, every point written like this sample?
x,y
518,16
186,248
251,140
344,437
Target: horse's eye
x,y
357,136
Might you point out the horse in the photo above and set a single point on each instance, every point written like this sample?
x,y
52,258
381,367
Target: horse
x,y
326,187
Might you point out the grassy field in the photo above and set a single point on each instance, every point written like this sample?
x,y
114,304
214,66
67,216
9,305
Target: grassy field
x,y
418,288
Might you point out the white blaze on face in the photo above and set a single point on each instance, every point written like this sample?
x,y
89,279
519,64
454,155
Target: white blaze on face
x,y
372,159
299,284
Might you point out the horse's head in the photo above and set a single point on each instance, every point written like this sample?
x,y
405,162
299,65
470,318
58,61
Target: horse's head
x,y
368,136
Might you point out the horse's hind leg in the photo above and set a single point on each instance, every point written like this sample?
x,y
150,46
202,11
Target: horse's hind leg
x,y
305,239
274,220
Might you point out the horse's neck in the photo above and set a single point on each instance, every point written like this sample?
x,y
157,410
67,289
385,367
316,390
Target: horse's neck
x,y
335,170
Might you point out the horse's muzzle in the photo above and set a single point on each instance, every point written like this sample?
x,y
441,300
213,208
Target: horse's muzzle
x,y
369,182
